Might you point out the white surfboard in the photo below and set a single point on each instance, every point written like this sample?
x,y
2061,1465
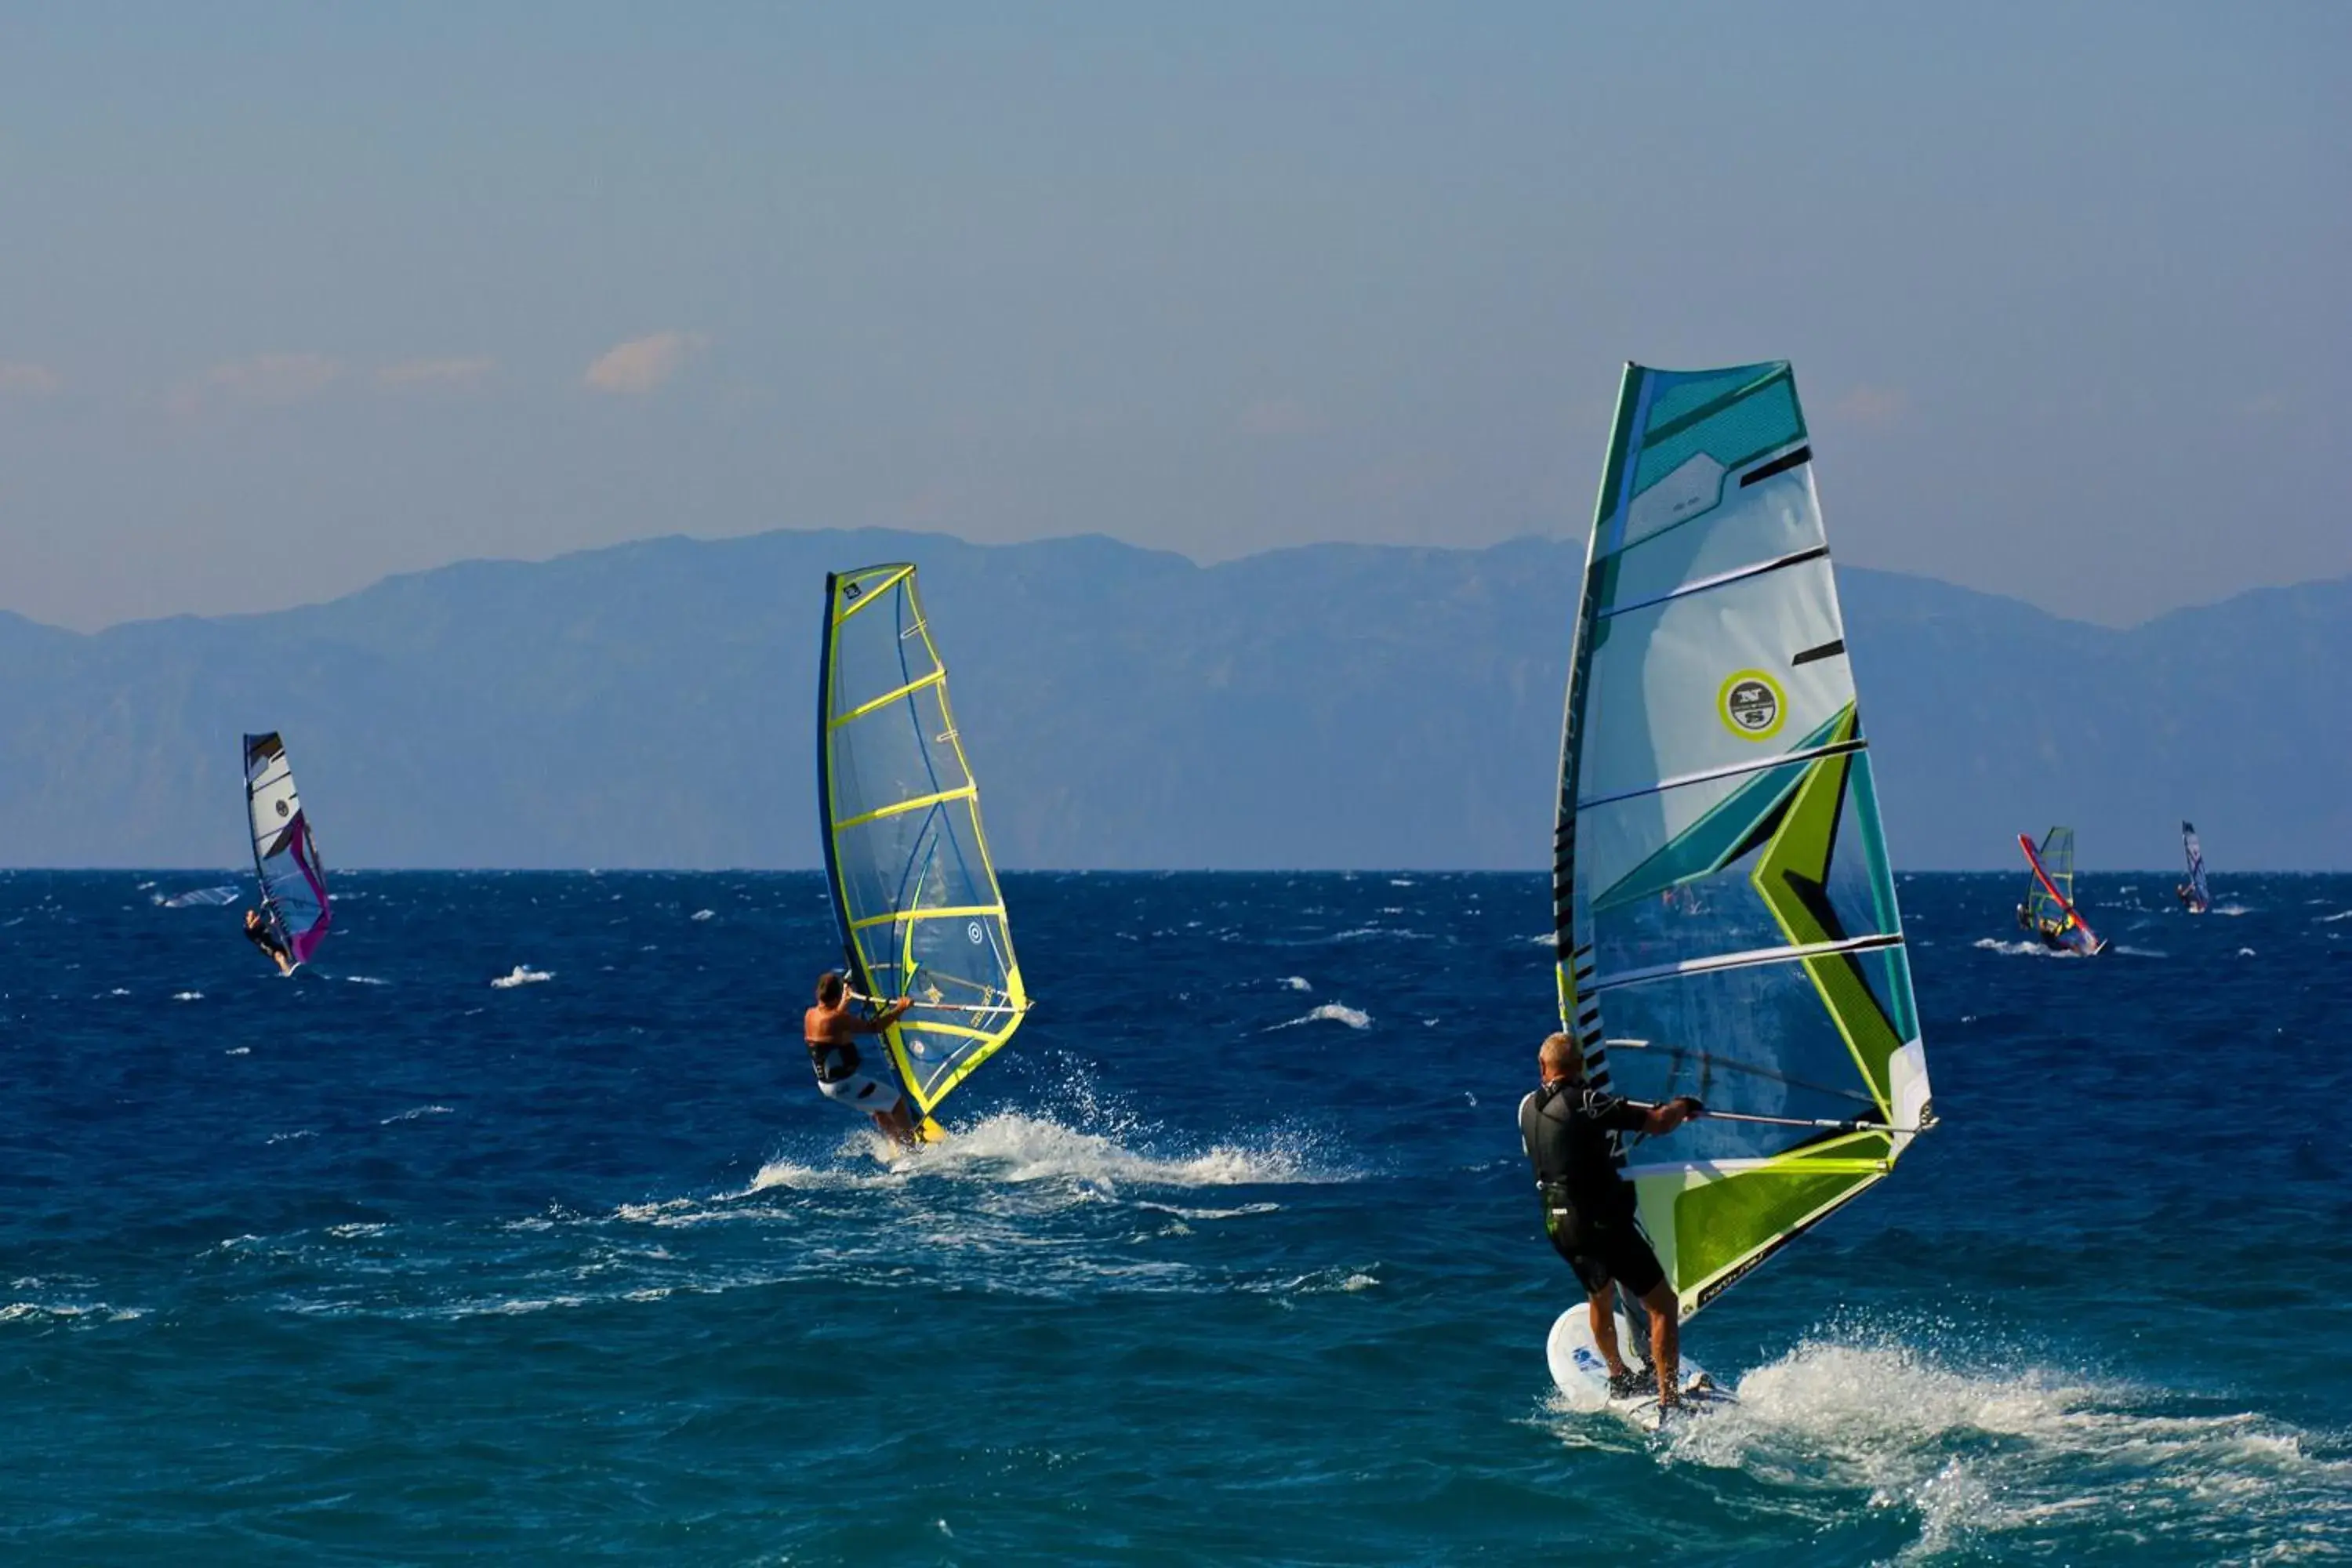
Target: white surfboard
x,y
1578,1368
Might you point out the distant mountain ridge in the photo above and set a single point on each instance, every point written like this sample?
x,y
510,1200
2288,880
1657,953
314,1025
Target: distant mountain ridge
x,y
1332,705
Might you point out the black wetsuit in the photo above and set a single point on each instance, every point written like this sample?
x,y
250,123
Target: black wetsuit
x,y
1588,1206
262,937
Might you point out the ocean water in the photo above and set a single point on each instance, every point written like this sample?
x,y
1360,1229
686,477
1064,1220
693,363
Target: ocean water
x,y
514,1227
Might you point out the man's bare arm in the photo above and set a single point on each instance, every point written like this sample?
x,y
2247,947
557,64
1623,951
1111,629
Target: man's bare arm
x,y
882,1020
1672,1114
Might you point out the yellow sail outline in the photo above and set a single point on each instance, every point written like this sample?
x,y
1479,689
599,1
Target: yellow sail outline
x,y
857,929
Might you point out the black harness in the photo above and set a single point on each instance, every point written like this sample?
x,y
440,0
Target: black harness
x,y
832,1060
1555,1134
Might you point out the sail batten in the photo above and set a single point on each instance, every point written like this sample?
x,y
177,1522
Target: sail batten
x,y
1795,953
1720,877
915,893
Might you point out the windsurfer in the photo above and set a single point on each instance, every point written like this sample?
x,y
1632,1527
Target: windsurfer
x,y
1588,1208
258,931
830,1030
2051,934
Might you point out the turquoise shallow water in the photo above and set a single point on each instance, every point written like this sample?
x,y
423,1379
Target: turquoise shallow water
x,y
1233,1259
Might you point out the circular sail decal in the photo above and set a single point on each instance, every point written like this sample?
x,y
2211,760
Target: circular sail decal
x,y
1752,705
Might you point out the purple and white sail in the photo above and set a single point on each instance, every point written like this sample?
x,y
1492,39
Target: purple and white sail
x,y
293,878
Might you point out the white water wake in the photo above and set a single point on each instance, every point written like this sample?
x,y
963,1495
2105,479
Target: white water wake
x,y
2019,949
2004,1455
1013,1148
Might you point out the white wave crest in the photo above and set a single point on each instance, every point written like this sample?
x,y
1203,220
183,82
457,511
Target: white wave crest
x,y
521,974
199,897
703,915
1986,1453
416,1114
1330,1012
1180,1212
187,995
72,1315
1295,982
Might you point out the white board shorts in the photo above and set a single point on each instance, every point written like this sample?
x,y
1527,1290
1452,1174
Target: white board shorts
x,y
860,1093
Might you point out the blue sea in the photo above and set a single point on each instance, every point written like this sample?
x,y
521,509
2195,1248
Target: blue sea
x,y
514,1227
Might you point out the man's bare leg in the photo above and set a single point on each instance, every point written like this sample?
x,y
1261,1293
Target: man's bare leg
x,y
1665,1341
895,1122
1603,1304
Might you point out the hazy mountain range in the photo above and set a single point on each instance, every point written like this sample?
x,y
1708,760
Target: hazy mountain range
x,y
652,705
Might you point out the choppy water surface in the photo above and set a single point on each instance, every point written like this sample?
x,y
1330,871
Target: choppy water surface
x,y
515,1225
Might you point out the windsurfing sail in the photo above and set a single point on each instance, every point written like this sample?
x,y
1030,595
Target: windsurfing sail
x,y
2048,909
293,878
1726,919
2194,893
198,898
916,895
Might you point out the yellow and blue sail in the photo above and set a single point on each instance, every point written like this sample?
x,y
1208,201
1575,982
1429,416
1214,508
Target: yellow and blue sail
x,y
1724,911
921,912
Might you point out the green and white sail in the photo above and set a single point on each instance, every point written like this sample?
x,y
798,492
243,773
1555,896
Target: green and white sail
x,y
920,909
1726,918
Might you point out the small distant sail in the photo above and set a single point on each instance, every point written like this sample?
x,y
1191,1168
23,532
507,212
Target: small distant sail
x,y
1721,891
293,878
921,912
2048,909
198,898
2194,894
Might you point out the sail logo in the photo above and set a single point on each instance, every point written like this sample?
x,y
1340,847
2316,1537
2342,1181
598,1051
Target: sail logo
x,y
973,930
1751,705
281,808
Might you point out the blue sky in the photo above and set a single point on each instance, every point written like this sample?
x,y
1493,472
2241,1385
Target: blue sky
x,y
291,297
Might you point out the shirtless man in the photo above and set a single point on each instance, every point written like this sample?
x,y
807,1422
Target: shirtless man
x,y
830,1030
258,931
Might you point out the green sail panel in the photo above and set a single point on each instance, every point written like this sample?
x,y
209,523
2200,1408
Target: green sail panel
x,y
914,892
1722,901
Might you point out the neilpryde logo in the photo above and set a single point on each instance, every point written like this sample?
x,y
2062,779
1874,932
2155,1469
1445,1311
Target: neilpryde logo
x,y
1752,705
